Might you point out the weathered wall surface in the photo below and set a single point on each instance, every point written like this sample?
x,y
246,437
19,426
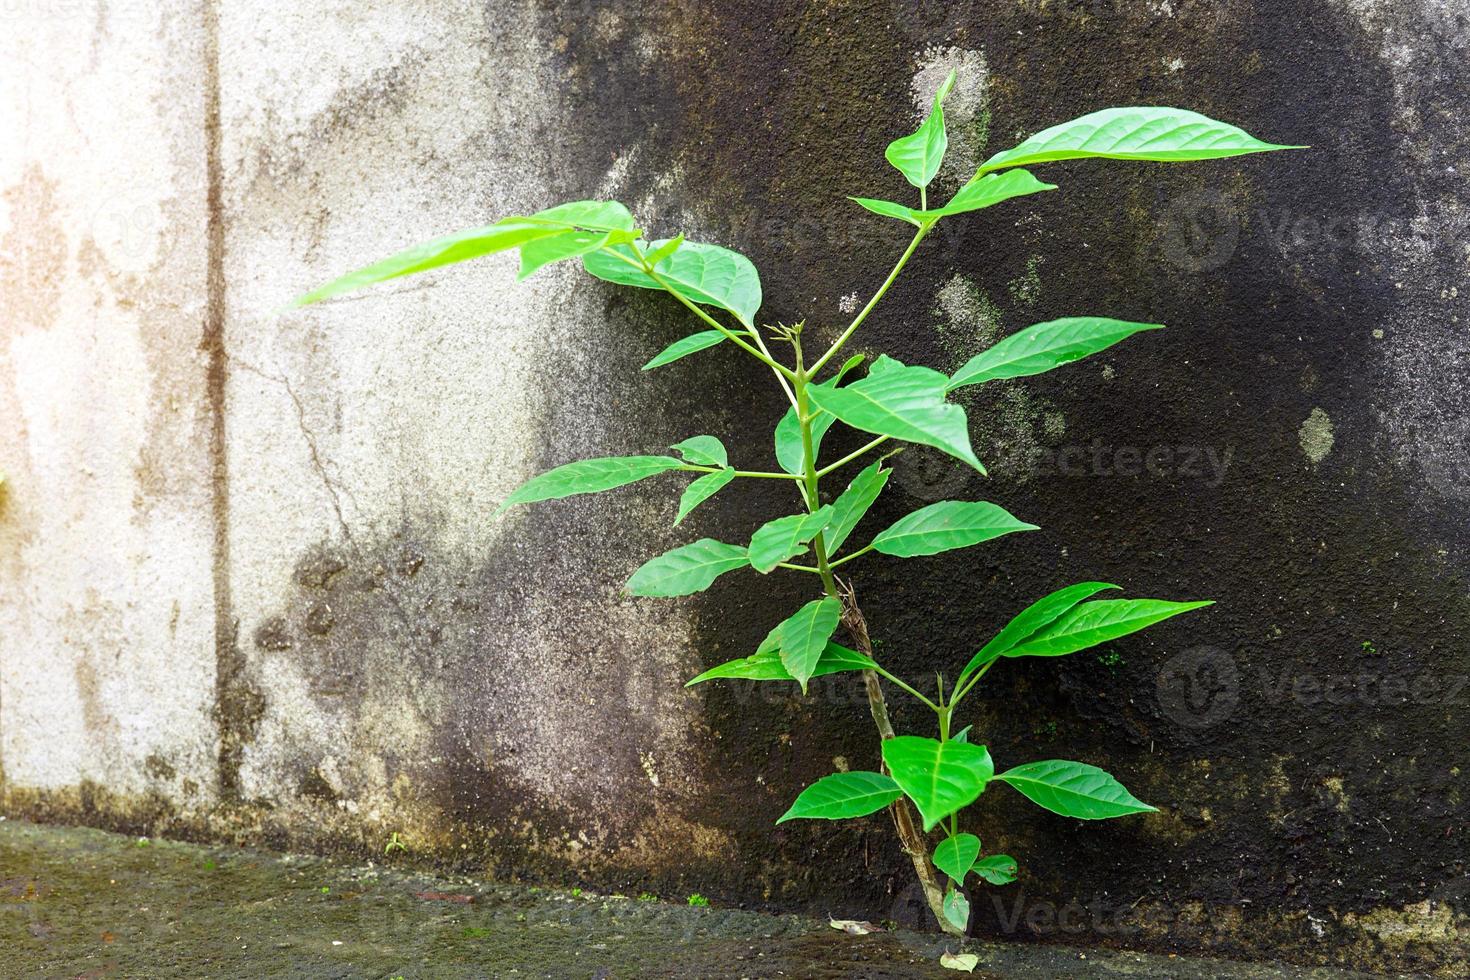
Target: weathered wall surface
x,y
250,586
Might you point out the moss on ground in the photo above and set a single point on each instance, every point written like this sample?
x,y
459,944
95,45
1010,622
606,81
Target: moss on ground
x,y
85,902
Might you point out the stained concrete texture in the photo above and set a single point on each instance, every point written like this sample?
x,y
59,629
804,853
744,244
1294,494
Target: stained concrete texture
x,y
84,902
250,590
107,628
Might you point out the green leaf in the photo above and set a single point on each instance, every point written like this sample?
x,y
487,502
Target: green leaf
x,y
889,209
1028,621
1045,346
957,908
1091,623
884,364
982,191
963,962
668,248
1134,133
939,777
596,215
945,526
765,664
567,245
688,569
703,451
1073,789
701,490
842,796
954,855
997,869
785,537
963,735
589,476
918,156
804,636
903,402
788,430
705,274
849,508
472,243
684,347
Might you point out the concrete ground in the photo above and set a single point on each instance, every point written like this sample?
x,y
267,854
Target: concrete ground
x,y
84,903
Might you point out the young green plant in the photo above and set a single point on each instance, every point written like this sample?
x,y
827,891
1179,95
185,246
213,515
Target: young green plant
x,y
891,402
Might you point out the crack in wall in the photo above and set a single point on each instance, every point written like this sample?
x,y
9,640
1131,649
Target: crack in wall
x,y
334,490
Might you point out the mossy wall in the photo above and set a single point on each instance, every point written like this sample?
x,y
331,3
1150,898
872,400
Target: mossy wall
x,y
295,516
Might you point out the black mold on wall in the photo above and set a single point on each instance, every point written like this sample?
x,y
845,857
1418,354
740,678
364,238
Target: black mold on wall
x,y
1303,736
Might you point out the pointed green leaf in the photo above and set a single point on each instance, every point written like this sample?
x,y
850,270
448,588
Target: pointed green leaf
x,y
703,451
939,777
849,508
596,215
701,490
472,243
884,364
684,347
668,248
903,402
1073,789
788,430
945,526
997,869
705,274
982,191
688,569
788,439
1134,133
588,476
1091,623
1045,346
954,855
1043,612
957,908
566,245
765,664
804,636
918,156
889,209
842,796
785,537
963,735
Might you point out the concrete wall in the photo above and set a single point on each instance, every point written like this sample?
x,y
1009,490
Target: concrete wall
x,y
250,590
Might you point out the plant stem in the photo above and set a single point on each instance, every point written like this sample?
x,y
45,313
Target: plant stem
x,y
863,313
856,554
972,682
798,568
852,456
759,352
899,682
913,842
753,474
